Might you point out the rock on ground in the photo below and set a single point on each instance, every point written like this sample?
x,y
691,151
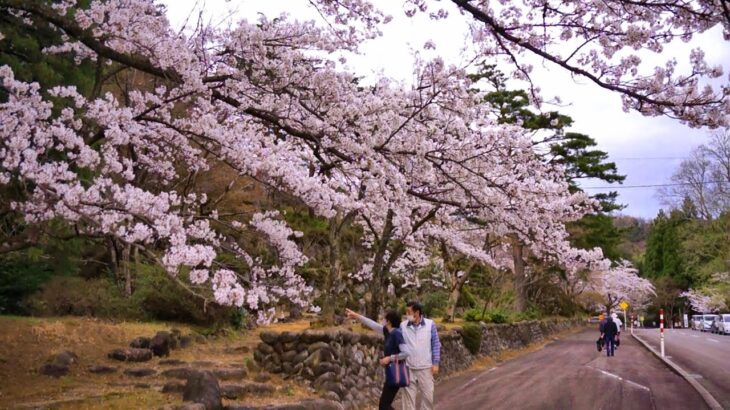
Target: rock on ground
x,y
202,387
101,369
59,364
140,372
131,355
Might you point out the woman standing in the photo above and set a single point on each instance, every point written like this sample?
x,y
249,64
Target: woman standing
x,y
394,348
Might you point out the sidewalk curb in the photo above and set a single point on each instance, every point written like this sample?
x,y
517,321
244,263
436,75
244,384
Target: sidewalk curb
x,y
711,401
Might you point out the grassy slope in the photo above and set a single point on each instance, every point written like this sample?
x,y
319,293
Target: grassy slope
x,y
26,343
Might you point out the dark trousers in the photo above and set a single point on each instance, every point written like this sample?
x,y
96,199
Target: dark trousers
x,y
609,344
387,397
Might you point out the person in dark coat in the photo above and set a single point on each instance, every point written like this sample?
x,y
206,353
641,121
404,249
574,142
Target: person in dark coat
x,y
394,347
609,331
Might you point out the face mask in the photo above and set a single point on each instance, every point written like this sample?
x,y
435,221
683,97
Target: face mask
x,y
410,318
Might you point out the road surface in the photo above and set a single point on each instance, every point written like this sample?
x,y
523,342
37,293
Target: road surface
x,y
702,354
571,374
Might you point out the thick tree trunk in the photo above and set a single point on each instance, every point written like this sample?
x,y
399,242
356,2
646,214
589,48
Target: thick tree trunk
x,y
453,301
127,270
333,273
377,287
458,284
520,303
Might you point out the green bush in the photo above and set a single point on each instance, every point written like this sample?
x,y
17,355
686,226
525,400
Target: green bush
x,y
530,314
489,316
72,295
498,316
472,335
160,298
20,277
473,315
155,297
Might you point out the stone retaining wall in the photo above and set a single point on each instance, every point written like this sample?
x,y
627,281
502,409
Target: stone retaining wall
x,y
499,337
344,365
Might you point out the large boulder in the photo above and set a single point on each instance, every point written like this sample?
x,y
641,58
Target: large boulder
x,y
131,355
54,370
59,364
202,387
161,344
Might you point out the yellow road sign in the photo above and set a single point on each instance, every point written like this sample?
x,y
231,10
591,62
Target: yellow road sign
x,y
624,305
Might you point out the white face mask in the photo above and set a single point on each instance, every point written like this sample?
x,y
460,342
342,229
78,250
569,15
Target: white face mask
x,y
410,318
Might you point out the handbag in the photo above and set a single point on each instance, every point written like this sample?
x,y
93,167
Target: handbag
x,y
599,344
396,374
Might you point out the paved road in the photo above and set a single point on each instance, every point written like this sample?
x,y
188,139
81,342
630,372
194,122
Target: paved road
x,y
702,354
571,374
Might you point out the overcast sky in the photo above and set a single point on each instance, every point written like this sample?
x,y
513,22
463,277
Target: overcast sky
x,y
646,150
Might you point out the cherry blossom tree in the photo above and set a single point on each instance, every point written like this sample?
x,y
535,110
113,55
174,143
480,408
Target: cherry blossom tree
x,y
699,302
619,283
601,42
410,163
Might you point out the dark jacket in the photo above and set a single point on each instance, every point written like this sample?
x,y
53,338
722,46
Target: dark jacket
x,y
392,341
610,328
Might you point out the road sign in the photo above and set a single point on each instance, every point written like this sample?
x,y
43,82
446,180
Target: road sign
x,y
624,305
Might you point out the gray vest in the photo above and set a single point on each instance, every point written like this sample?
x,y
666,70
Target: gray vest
x,y
418,339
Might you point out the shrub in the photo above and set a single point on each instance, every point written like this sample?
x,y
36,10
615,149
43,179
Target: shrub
x,y
156,297
473,315
472,335
489,316
497,316
530,314
20,277
72,295
162,299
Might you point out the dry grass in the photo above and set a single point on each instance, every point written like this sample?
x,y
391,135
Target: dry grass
x,y
26,343
457,323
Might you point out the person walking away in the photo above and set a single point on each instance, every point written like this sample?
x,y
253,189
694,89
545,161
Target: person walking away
x,y
394,347
619,324
424,348
609,335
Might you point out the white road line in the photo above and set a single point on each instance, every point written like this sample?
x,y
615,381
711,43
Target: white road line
x,y
609,374
475,378
713,340
641,386
621,379
695,336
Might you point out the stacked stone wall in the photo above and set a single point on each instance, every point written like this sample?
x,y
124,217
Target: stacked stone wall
x,y
344,365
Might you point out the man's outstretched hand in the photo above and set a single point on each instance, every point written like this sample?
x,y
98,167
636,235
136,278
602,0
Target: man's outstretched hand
x,y
350,314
